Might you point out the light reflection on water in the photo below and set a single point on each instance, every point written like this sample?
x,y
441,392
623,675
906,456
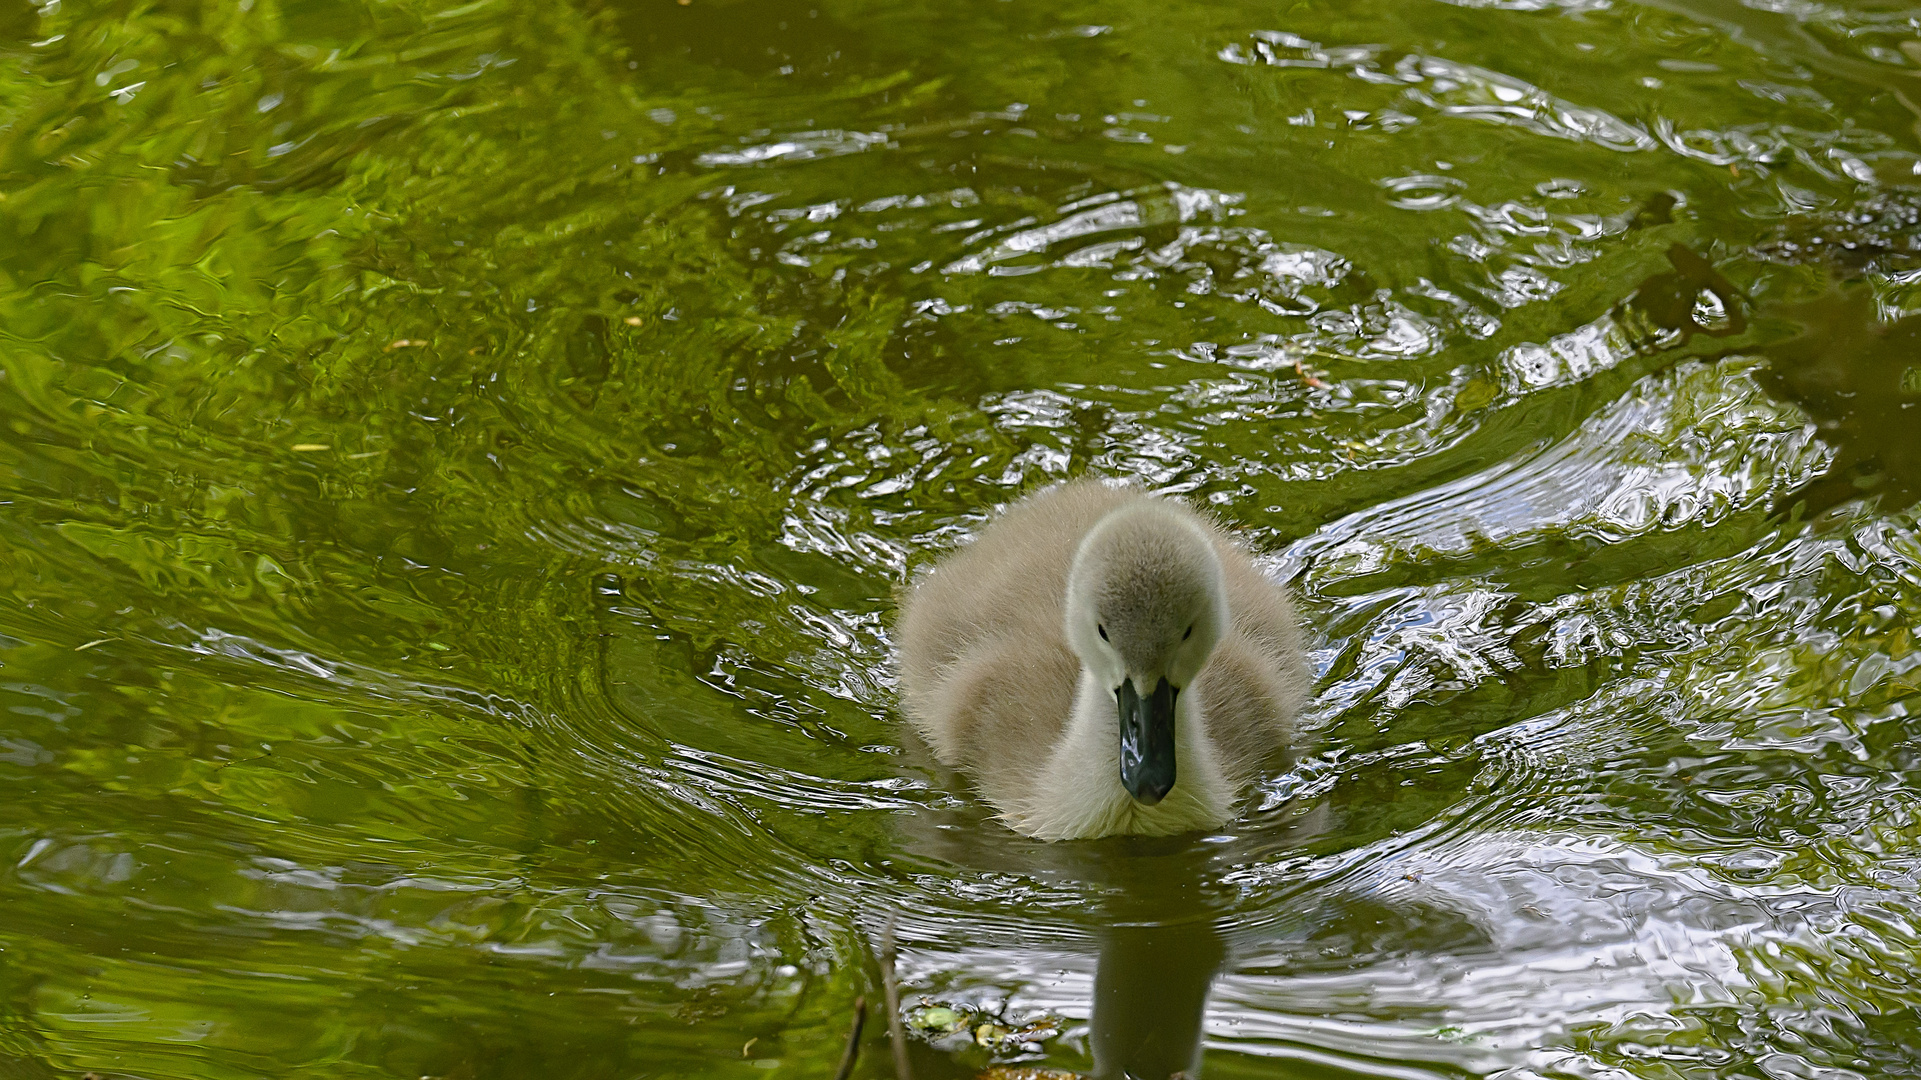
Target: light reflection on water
x,y
460,460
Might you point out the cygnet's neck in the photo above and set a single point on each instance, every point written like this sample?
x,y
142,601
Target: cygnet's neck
x,y
1079,794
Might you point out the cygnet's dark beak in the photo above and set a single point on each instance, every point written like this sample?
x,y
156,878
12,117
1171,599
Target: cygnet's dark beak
x,y
1147,741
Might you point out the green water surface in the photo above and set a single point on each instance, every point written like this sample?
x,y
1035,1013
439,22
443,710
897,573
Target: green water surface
x,y
456,460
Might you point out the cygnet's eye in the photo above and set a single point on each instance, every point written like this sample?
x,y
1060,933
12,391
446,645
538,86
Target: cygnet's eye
x,y
1103,631
1190,632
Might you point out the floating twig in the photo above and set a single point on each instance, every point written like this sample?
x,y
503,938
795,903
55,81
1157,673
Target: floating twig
x,y
852,1053
902,1071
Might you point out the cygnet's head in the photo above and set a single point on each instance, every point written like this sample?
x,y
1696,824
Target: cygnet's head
x,y
1145,606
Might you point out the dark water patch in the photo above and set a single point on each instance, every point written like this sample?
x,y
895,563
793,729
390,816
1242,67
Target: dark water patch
x,y
1856,374
1860,379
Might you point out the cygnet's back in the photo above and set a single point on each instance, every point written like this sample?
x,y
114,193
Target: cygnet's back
x,y
988,677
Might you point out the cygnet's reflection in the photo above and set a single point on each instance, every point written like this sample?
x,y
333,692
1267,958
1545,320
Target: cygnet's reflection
x,y
1155,918
1159,951
1150,998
